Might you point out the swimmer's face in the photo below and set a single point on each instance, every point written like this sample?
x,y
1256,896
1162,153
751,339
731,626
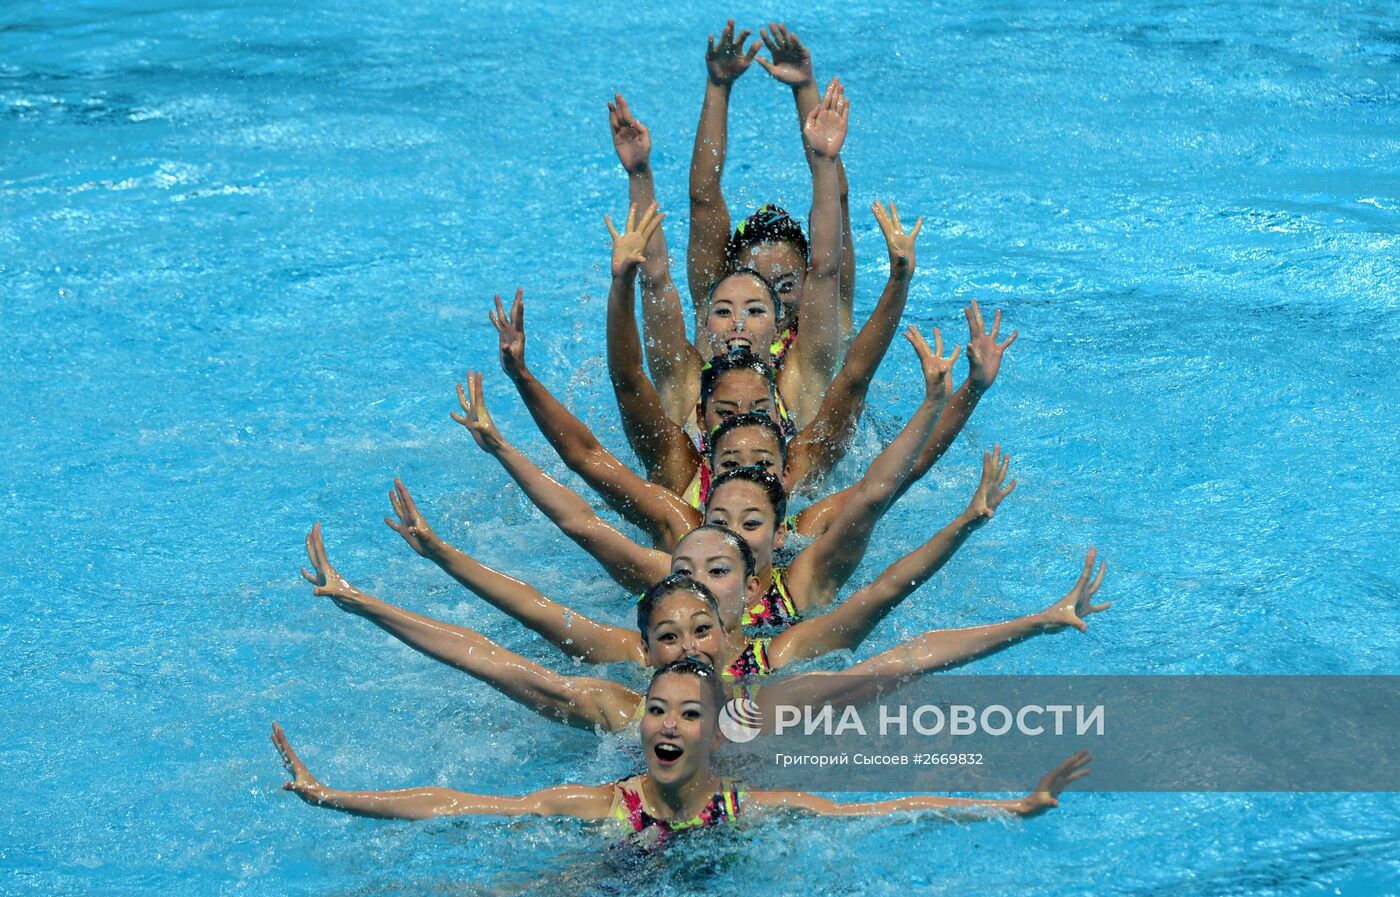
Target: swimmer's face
x,y
684,625
744,507
748,446
740,391
785,268
712,560
741,314
680,728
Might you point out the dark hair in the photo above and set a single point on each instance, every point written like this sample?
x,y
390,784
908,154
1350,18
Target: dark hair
x,y
742,360
676,582
690,666
770,224
772,487
747,419
749,272
734,539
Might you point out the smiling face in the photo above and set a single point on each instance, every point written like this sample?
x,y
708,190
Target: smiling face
x,y
748,446
684,625
744,507
741,314
710,559
740,391
680,728
784,266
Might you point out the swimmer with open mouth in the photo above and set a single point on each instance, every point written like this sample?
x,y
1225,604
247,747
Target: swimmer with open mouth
x,y
679,789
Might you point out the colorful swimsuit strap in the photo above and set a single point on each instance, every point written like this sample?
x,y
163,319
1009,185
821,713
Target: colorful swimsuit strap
x,y
776,607
781,344
753,662
698,492
724,805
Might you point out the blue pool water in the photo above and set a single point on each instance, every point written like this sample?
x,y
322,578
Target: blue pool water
x,y
246,250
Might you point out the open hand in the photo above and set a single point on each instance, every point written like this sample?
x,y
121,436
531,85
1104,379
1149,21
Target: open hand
x,y
303,783
938,384
511,331
1047,791
629,247
727,60
328,583
899,244
410,524
983,350
825,127
631,138
792,63
1076,605
989,493
475,417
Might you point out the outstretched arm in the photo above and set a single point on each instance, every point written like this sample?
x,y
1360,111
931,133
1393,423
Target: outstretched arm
x,y
659,442
984,355
668,351
822,443
633,566
846,626
709,216
1044,796
817,351
663,514
937,650
791,64
821,569
583,703
582,801
572,633
946,648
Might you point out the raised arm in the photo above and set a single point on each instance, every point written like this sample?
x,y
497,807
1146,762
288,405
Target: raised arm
x,y
709,216
582,703
570,632
945,648
663,514
668,352
659,442
984,355
817,351
824,566
634,567
822,443
846,626
1045,796
581,801
791,64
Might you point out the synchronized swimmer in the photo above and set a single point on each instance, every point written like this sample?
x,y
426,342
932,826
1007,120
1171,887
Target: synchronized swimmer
x,y
756,408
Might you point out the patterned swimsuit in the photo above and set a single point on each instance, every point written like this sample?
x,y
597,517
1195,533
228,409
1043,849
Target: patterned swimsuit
x,y
628,808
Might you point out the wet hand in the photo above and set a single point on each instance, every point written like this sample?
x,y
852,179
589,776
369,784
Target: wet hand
x,y
510,329
303,783
899,244
825,127
938,383
1077,604
989,493
983,351
1047,791
629,247
792,62
726,61
631,138
328,583
410,524
475,417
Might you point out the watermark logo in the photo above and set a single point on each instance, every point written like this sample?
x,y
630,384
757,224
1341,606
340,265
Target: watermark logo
x,y
740,720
